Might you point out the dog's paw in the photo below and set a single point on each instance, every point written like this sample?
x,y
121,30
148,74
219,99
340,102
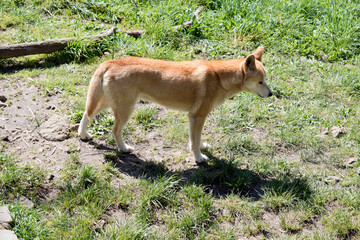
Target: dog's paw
x,y
126,149
202,159
85,136
204,146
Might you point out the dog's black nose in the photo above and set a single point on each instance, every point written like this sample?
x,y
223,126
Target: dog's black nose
x,y
270,94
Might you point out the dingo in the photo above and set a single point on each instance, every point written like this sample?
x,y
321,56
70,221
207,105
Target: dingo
x,y
195,87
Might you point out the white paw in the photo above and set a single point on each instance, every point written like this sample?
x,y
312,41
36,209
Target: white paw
x,y
126,149
204,145
85,136
201,159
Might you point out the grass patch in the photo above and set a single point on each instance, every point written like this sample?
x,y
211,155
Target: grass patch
x,y
269,156
16,180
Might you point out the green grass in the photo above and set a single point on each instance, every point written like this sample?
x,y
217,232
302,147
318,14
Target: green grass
x,y
18,180
268,157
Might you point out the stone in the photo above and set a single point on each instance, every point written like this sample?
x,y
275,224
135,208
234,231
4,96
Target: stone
x,y
5,215
324,132
7,235
335,179
26,202
3,104
99,224
75,127
336,131
56,128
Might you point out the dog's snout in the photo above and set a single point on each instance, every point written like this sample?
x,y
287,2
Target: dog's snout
x,y
270,94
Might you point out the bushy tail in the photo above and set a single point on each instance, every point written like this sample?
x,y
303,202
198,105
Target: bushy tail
x,y
95,97
94,103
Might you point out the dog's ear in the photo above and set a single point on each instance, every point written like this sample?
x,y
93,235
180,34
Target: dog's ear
x,y
250,62
258,53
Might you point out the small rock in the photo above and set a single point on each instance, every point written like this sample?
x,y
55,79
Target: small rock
x,y
56,128
3,104
75,127
334,179
324,132
99,224
7,235
336,131
26,202
53,194
5,215
351,161
5,218
3,98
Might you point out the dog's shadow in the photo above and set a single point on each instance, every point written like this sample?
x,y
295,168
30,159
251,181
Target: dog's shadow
x,y
220,177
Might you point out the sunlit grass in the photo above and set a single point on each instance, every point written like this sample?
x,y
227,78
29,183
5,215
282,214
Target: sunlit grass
x,y
268,157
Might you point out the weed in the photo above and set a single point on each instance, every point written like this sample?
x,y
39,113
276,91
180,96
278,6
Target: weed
x,y
18,180
146,116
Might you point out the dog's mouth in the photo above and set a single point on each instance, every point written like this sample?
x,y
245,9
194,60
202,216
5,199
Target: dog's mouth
x,y
258,94
268,95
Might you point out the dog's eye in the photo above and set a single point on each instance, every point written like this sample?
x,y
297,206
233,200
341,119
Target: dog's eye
x,y
260,82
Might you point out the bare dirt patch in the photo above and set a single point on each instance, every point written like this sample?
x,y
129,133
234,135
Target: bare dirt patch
x,y
27,110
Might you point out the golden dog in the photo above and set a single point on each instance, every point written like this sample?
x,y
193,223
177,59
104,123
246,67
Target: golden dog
x,y
195,87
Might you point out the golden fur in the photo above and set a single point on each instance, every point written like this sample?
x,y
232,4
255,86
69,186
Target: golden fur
x,y
195,87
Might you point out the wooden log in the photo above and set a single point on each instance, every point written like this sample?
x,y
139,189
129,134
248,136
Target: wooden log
x,y
53,45
49,46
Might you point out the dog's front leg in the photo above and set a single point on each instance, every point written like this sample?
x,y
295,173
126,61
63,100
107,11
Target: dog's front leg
x,y
196,124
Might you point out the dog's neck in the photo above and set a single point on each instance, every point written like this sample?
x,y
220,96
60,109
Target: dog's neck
x,y
232,80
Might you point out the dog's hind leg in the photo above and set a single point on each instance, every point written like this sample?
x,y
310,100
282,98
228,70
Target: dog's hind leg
x,y
122,113
86,119
82,131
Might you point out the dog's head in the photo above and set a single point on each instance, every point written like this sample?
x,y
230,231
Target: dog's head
x,y
255,74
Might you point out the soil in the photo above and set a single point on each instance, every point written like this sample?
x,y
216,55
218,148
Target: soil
x,y
27,110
